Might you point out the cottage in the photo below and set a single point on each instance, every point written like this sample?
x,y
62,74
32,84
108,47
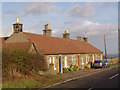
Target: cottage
x,y
61,52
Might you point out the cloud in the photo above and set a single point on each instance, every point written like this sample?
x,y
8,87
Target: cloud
x,y
11,12
92,28
39,8
81,11
86,10
68,22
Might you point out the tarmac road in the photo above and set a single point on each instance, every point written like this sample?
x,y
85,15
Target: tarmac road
x,y
105,79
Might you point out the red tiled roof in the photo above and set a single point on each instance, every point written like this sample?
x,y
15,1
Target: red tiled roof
x,y
54,45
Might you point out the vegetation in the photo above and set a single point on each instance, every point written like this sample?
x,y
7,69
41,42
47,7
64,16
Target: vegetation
x,y
15,61
33,82
86,68
75,68
65,70
71,68
114,64
21,70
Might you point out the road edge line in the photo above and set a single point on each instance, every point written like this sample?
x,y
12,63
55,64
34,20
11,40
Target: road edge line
x,y
78,77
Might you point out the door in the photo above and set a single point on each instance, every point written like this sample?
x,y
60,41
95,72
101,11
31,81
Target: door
x,y
60,64
65,65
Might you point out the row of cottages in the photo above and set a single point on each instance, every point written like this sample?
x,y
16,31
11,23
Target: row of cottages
x,y
62,52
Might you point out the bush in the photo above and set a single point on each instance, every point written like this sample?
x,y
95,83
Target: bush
x,y
65,70
85,67
80,69
75,67
16,61
71,67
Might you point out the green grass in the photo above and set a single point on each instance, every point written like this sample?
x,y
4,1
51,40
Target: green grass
x,y
33,83
20,84
115,64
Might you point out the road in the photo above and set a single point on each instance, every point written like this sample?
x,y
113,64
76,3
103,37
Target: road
x,y
104,79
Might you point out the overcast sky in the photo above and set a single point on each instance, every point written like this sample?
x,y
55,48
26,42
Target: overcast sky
x,y
96,19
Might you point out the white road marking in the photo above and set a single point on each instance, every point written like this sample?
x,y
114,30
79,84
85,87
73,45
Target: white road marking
x,y
80,77
90,88
114,76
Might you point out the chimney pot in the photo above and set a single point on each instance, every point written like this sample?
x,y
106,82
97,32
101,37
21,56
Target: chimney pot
x,y
47,30
66,34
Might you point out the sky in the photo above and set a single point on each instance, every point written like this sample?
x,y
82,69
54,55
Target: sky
x,y
94,18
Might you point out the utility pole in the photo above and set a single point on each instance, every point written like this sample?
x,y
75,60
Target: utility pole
x,y
119,44
105,47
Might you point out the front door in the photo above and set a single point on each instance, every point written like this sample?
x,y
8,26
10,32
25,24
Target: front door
x,y
60,64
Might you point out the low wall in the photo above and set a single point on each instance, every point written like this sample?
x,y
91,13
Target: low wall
x,y
113,61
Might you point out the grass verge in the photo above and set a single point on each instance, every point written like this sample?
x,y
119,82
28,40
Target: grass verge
x,y
115,64
33,82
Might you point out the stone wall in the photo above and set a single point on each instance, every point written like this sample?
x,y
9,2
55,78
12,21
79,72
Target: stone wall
x,y
16,37
113,61
72,59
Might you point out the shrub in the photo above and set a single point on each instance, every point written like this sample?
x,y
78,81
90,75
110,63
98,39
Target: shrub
x,y
75,67
71,67
65,70
85,67
16,61
80,69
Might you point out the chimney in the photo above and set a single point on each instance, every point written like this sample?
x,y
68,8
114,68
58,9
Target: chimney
x,y
66,34
47,30
79,38
17,26
85,38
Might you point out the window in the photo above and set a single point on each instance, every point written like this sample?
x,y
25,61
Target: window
x,y
96,57
99,57
49,60
87,59
54,63
65,65
82,61
90,57
72,58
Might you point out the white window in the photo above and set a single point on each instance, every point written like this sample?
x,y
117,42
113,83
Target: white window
x,y
99,56
74,59
93,58
49,60
82,61
96,57
86,59
65,61
54,63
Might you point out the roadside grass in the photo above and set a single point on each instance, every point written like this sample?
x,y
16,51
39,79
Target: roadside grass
x,y
36,82
115,64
